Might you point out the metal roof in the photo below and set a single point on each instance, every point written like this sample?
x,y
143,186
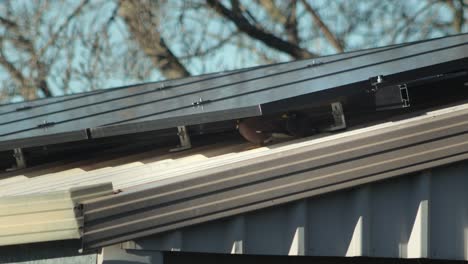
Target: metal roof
x,y
124,172
246,181
47,217
223,96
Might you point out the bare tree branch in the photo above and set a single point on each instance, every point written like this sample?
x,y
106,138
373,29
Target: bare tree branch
x,y
37,62
457,7
15,73
54,36
410,20
291,23
258,33
204,52
15,35
41,67
273,10
324,28
286,17
8,23
144,29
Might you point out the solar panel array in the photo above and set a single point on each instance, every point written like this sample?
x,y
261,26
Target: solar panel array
x,y
212,97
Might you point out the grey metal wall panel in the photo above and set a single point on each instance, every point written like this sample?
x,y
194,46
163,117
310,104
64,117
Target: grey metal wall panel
x,y
381,219
243,89
449,213
283,177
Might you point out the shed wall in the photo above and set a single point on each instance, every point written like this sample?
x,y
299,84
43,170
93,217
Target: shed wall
x,y
423,215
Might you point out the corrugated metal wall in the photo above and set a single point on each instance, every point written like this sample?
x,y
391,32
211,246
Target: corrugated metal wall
x,y
424,215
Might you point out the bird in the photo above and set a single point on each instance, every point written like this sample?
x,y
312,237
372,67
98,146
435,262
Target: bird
x,y
263,130
256,130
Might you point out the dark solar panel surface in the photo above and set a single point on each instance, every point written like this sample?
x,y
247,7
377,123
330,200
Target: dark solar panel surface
x,y
210,98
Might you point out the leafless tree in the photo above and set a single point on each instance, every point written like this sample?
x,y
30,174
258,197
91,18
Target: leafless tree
x,y
57,47
26,58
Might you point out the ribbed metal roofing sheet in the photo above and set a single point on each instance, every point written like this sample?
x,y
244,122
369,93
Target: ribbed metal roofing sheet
x,y
248,181
124,172
216,97
45,217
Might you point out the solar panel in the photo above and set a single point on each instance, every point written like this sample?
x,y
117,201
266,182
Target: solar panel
x,y
219,96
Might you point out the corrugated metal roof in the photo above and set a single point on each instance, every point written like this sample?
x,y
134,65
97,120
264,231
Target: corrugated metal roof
x,y
123,172
45,217
250,180
223,96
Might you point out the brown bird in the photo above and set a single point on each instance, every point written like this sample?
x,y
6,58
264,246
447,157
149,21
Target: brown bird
x,y
257,130
262,130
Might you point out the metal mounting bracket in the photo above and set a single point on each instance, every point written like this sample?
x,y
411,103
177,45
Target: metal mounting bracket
x,y
20,160
184,139
375,82
338,117
404,95
392,97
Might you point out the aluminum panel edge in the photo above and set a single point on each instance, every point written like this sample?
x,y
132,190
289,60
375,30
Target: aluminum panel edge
x,y
44,140
195,119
